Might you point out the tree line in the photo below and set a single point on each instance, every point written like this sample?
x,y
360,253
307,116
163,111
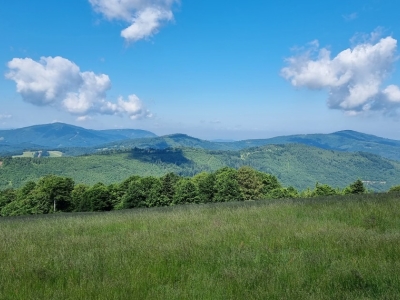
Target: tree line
x,y
53,193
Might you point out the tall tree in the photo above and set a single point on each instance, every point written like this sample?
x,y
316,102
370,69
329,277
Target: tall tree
x,y
55,191
186,192
357,187
138,192
227,186
99,197
250,183
79,201
206,186
168,182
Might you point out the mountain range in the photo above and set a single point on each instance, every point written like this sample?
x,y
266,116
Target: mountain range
x,y
112,155
74,140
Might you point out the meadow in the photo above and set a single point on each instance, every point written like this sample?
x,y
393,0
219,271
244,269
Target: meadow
x,y
342,247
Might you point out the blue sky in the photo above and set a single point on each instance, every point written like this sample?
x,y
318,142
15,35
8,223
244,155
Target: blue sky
x,y
210,69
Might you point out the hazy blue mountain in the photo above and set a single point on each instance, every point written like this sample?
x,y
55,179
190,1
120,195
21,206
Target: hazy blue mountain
x,y
349,141
60,135
74,140
169,141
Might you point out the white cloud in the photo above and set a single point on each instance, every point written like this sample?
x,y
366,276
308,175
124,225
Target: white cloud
x,y
5,117
83,118
59,82
392,93
353,78
350,17
144,16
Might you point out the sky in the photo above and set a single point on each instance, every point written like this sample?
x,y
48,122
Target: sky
x,y
210,69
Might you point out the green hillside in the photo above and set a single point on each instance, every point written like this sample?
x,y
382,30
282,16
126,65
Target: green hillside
x,y
297,165
347,141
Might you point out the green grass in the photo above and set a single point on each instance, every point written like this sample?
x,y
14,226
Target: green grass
x,y
331,248
55,153
30,154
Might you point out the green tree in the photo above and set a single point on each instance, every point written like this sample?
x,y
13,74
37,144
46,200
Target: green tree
x,y
250,183
395,188
323,190
168,182
357,187
99,197
226,186
26,189
124,185
269,183
281,192
55,191
7,196
154,195
138,192
186,192
116,195
27,202
206,186
17,208
79,201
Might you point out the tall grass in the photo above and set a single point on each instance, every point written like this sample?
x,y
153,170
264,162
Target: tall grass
x,y
332,248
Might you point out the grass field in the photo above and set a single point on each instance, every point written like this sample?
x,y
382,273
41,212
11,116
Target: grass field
x,y
55,153
30,154
331,248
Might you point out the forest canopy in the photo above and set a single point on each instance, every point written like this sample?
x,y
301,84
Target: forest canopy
x,y
60,194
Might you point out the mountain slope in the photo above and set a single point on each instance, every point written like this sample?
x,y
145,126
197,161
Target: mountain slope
x,y
297,165
169,141
349,141
74,140
58,135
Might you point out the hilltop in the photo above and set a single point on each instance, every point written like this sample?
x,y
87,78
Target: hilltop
x,y
60,135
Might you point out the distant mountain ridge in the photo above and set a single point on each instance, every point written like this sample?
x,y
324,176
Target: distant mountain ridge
x,y
347,140
74,140
60,135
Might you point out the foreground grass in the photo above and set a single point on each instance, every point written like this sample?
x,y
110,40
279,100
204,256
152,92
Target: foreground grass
x,y
337,248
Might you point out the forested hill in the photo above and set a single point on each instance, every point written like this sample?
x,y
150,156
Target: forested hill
x,y
73,140
349,141
60,135
296,165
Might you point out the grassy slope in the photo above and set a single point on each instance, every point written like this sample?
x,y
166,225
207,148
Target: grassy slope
x,y
342,248
296,165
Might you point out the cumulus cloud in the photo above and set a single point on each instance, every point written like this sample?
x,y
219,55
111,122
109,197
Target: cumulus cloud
x,y
354,77
144,16
58,82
